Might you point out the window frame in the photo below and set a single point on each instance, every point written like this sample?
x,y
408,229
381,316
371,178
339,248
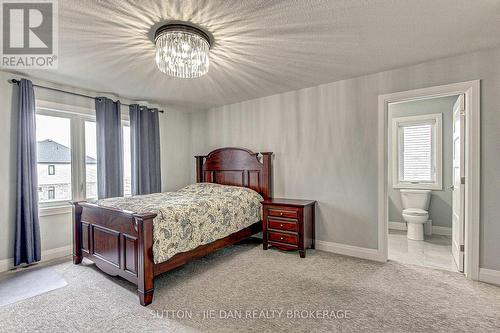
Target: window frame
x,y
434,119
51,170
67,115
84,160
77,115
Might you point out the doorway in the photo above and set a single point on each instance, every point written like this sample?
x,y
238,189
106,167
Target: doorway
x,y
420,183
427,176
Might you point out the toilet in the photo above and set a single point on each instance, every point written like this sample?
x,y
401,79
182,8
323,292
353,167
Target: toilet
x,y
415,211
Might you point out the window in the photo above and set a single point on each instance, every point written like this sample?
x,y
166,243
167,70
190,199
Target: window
x,y
90,160
66,137
53,136
51,192
417,147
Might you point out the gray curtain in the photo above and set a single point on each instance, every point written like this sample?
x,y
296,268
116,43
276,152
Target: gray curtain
x,y
145,150
109,148
27,238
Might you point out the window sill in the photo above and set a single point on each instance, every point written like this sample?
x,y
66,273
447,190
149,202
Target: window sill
x,y
55,210
420,186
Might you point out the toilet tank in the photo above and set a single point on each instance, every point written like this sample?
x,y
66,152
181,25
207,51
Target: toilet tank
x,y
416,199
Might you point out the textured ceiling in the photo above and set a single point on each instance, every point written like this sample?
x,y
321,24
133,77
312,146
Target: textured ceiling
x,y
262,47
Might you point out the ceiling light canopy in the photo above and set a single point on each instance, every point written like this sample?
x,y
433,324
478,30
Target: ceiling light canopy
x,y
182,50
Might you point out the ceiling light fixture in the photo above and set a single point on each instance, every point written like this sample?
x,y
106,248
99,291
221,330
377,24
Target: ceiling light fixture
x,y
182,50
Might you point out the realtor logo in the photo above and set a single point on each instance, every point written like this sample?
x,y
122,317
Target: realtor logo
x,y
29,34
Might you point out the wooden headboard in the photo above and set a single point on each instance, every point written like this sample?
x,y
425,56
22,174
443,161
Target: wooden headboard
x,y
237,167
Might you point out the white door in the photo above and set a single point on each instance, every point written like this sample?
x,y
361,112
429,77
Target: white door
x,y
458,192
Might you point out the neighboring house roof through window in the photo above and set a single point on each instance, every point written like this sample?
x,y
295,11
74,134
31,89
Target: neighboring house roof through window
x,y
52,152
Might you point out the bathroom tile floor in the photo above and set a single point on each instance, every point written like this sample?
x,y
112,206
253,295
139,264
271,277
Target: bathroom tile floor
x,y
434,251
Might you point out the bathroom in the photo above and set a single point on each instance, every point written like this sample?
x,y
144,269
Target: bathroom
x,y
422,135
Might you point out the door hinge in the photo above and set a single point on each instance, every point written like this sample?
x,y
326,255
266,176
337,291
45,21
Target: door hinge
x,y
462,180
462,248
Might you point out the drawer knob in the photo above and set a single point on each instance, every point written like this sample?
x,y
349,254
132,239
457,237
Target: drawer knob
x,y
281,238
281,224
281,213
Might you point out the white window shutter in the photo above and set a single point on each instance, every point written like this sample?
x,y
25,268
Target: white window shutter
x,y
416,155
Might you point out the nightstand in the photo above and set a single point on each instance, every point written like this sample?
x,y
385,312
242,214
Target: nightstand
x,y
288,224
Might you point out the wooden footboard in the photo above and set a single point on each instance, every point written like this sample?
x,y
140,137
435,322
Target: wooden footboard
x,y
119,242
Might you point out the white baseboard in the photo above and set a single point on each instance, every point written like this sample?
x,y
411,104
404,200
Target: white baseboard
x,y
489,276
7,264
350,250
436,230
397,225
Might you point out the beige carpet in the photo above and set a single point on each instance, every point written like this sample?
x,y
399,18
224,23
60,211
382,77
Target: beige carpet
x,y
258,285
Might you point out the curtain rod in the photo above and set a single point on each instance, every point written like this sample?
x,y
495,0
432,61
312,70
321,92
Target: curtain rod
x,y
16,81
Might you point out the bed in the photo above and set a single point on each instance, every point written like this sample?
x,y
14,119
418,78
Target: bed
x,y
138,238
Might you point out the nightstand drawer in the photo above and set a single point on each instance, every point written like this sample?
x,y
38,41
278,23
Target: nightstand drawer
x,y
291,214
282,225
283,238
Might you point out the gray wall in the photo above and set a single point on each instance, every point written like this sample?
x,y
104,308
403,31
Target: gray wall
x,y
325,143
56,229
324,139
440,207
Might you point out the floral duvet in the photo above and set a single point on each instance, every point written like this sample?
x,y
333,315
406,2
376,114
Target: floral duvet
x,y
195,215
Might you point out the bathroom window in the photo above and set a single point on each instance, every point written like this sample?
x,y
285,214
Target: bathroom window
x,y
417,152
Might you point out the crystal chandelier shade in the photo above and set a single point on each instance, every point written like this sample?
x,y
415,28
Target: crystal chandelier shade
x,y
182,51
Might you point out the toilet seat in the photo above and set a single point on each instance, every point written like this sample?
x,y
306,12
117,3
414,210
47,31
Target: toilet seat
x,y
415,212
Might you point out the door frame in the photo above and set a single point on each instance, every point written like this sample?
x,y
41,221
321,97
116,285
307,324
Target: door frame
x,y
471,90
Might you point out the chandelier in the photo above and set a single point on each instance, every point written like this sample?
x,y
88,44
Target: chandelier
x,y
182,50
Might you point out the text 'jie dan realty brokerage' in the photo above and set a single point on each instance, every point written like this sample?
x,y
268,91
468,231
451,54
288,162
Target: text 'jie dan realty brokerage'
x,y
253,314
